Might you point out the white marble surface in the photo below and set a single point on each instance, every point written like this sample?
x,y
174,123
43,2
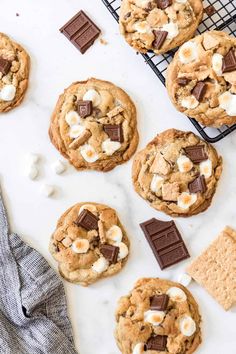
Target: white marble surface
x,y
55,64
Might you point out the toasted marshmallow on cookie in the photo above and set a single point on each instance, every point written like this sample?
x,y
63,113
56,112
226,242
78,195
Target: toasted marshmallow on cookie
x,y
72,118
109,147
100,265
156,183
114,234
217,63
154,317
185,200
189,102
206,168
139,348
8,93
184,164
176,294
89,207
228,102
88,153
187,326
172,29
80,245
188,52
92,95
142,27
123,250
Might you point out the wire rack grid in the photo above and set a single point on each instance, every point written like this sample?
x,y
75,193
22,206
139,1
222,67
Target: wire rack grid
x,y
224,19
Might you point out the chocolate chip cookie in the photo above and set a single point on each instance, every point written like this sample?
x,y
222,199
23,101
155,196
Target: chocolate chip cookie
x,y
14,73
89,243
201,79
177,173
159,25
94,125
158,316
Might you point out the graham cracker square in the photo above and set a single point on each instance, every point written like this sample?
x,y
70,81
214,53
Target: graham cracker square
x,y
215,268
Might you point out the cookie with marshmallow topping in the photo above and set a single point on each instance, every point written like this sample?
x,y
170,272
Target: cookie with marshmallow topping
x,y
94,125
159,25
89,243
177,173
173,328
14,73
201,79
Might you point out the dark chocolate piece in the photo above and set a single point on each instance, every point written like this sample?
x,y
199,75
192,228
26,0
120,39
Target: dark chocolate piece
x,y
229,61
198,185
163,4
5,66
210,10
160,37
84,108
199,90
110,252
87,220
81,31
114,131
157,343
182,81
165,241
159,302
196,153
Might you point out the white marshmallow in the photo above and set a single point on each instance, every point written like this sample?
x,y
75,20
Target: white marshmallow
x,y
80,245
154,317
32,172
181,1
188,52
72,118
47,190
142,3
189,102
142,27
8,93
187,326
33,158
172,29
88,153
185,200
89,207
138,349
59,167
217,62
184,164
228,102
156,183
176,294
92,95
114,234
123,252
109,147
185,279
206,168
100,265
76,131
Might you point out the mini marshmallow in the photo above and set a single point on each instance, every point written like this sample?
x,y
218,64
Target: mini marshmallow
x,y
89,207
76,131
217,62
142,3
156,183
154,317
109,147
114,234
80,245
88,153
123,252
139,348
228,102
206,168
8,93
92,95
142,27
185,279
33,158
184,164
189,102
187,326
172,29
181,1
188,52
185,200
47,190
59,167
176,294
72,118
32,172
100,265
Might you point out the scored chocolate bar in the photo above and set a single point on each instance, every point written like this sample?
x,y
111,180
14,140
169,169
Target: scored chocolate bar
x,y
165,241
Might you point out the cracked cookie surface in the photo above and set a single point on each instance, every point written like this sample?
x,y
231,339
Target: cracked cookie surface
x,y
159,25
94,125
14,73
173,328
89,243
201,79
177,173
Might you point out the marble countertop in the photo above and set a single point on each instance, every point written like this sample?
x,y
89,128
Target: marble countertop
x,y
55,64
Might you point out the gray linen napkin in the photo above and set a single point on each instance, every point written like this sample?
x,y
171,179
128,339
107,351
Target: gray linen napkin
x,y
33,310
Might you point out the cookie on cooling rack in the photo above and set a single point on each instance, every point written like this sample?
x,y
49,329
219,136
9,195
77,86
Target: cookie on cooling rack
x,y
177,173
201,79
94,125
158,316
159,25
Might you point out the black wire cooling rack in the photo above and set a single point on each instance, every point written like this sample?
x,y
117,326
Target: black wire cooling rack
x,y
224,18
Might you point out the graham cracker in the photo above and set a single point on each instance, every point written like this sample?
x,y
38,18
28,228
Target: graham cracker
x,y
215,268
